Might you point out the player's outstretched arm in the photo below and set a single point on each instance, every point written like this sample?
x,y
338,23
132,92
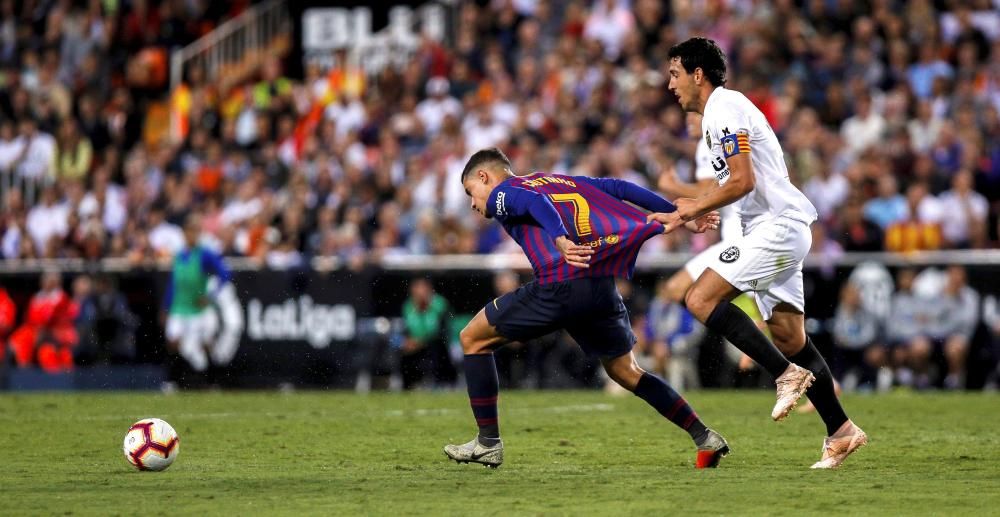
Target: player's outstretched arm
x,y
673,220
674,188
628,191
741,182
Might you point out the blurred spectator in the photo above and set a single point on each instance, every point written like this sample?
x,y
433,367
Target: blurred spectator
x,y
47,221
47,336
928,68
856,232
964,226
921,230
991,318
75,152
609,23
425,343
8,317
36,160
438,105
105,323
924,128
165,238
856,335
889,207
827,191
953,317
673,335
908,321
865,128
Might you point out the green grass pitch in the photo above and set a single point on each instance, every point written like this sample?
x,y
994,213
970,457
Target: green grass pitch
x,y
567,453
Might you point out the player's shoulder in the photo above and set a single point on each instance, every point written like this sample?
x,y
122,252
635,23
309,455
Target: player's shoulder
x,y
724,102
732,97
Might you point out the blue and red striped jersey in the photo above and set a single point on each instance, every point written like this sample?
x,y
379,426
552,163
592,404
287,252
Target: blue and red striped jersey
x,y
591,211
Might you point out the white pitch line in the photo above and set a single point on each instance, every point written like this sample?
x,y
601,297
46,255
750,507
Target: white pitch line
x,y
418,412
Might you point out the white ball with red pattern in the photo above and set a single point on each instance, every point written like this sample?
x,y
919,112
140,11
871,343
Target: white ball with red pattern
x,y
151,444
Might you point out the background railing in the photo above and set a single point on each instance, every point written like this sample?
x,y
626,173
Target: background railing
x,y
235,49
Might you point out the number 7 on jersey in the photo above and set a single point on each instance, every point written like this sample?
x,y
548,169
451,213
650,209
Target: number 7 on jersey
x,y
581,211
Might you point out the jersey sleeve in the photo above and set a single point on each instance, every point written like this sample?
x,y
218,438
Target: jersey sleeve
x,y
507,201
627,191
211,262
729,127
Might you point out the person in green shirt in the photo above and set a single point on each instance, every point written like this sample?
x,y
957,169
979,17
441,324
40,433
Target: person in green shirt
x,y
191,321
425,337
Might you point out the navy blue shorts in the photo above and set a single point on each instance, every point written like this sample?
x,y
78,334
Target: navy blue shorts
x,y
590,309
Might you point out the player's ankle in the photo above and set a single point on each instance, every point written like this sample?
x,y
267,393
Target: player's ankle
x,y
488,441
700,435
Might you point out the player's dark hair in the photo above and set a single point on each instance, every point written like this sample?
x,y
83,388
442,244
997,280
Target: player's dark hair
x,y
702,53
485,157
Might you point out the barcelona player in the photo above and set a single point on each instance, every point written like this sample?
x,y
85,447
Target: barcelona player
x,y
579,234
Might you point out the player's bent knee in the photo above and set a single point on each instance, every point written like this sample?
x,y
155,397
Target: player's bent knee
x,y
467,337
697,304
625,372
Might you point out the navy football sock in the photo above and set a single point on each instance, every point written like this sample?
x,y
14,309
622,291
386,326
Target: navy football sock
x,y
822,393
730,321
481,379
670,404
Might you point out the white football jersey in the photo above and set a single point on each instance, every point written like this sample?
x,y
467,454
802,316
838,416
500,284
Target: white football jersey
x,y
733,125
730,226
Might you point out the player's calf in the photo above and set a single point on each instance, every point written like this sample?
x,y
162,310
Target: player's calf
x,y
664,399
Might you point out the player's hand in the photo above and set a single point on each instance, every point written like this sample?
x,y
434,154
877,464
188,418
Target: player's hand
x,y
203,301
687,208
670,221
576,255
709,221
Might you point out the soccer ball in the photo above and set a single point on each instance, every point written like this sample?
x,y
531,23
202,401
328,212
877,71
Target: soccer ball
x,y
151,444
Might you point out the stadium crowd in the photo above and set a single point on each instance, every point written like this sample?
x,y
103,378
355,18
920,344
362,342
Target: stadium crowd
x,y
888,115
887,111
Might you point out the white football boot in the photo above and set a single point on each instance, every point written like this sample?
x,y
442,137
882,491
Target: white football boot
x,y
475,452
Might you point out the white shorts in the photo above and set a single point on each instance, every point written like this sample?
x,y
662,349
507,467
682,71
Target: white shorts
x,y
700,262
768,263
198,328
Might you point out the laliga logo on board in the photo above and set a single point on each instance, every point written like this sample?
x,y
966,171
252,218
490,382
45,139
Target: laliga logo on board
x,y
301,319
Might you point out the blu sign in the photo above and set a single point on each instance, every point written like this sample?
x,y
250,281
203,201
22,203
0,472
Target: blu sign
x,y
328,29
